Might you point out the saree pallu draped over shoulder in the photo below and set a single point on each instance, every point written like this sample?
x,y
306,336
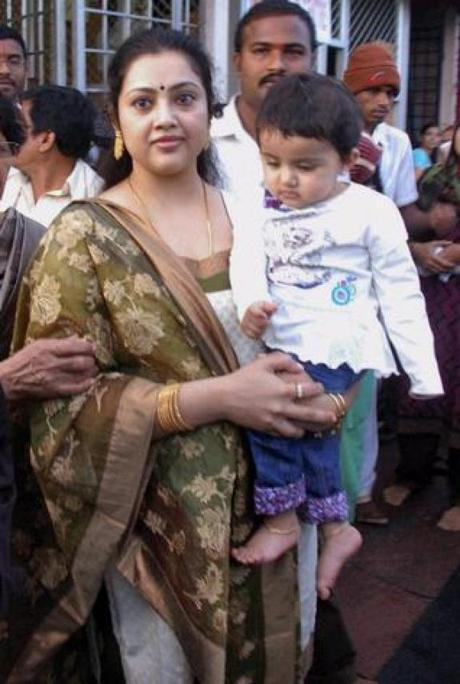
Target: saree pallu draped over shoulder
x,y
163,512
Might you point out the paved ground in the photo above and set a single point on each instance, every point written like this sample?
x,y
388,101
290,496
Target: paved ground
x,y
399,571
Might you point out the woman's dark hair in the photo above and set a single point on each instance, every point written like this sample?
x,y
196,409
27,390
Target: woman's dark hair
x,y
454,154
272,8
424,129
11,125
427,127
153,42
313,106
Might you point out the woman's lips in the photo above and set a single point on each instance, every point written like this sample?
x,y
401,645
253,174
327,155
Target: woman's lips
x,y
168,142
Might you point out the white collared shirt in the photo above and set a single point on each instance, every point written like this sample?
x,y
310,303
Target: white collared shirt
x,y
239,157
82,183
396,166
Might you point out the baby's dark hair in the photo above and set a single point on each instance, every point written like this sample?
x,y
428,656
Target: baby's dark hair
x,y
313,106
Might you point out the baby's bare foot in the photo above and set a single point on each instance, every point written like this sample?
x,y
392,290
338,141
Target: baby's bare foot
x,y
450,520
341,541
273,538
396,494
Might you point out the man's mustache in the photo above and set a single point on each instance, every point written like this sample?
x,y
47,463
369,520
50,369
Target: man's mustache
x,y
271,78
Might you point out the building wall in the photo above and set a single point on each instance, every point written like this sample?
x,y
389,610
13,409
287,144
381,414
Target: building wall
x,y
71,41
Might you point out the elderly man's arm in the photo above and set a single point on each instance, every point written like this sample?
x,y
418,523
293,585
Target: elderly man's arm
x,y
49,368
441,219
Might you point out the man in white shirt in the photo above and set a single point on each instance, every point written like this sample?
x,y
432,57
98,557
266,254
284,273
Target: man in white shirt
x,y
49,169
373,78
274,39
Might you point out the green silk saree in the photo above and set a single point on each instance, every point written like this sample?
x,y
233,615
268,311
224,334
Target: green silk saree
x,y
163,512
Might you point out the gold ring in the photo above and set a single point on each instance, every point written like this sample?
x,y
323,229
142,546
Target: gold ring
x,y
298,391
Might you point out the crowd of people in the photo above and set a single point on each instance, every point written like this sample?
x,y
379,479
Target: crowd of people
x,y
195,327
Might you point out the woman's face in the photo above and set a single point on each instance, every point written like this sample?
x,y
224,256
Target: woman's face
x,y
163,114
431,138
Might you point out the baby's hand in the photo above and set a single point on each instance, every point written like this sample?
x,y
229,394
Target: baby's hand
x,y
256,319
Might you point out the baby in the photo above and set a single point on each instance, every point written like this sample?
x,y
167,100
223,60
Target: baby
x,y
314,273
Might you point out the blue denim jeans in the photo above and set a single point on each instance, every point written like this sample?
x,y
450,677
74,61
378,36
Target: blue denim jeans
x,y
303,473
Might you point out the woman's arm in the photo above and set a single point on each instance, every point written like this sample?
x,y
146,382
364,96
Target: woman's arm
x,y
261,396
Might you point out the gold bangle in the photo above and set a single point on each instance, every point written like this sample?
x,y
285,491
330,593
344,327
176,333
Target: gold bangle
x,y
168,414
341,406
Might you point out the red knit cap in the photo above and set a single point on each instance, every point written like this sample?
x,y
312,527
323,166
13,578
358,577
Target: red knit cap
x,y
370,66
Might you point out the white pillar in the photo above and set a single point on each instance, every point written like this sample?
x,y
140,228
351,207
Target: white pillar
x,y
79,45
60,57
403,38
215,37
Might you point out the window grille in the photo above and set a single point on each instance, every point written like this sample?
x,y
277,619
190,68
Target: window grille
x,y
370,20
426,48
336,19
100,26
71,42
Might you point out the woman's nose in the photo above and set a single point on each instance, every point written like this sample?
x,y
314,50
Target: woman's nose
x,y
163,114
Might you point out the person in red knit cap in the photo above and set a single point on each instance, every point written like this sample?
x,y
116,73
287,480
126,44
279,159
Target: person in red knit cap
x,y
373,77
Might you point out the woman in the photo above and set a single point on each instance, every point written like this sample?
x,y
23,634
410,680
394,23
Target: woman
x,y
423,424
144,477
425,154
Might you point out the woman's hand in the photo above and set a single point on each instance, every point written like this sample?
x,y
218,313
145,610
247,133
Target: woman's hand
x,y
49,368
424,255
264,396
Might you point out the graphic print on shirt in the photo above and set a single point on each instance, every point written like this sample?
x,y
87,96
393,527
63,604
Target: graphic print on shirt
x,y
344,291
294,251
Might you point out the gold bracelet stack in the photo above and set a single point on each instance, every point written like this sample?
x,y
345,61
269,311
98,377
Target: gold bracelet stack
x,y
168,414
341,409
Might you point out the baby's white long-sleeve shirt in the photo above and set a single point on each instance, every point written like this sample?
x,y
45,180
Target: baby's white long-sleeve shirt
x,y
343,280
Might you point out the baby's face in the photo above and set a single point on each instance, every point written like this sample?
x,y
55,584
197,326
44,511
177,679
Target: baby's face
x,y
300,171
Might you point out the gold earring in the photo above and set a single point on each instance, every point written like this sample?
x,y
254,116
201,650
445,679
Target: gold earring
x,y
118,146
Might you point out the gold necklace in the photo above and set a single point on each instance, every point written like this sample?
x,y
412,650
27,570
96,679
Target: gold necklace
x,y
206,210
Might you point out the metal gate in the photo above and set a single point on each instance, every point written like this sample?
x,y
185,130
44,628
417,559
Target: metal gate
x,y
70,42
426,47
370,20
100,26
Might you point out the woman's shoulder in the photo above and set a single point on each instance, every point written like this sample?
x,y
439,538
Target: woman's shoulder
x,y
82,219
421,157
78,214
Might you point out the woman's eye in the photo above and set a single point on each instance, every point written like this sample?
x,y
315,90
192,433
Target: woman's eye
x,y
186,98
142,103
